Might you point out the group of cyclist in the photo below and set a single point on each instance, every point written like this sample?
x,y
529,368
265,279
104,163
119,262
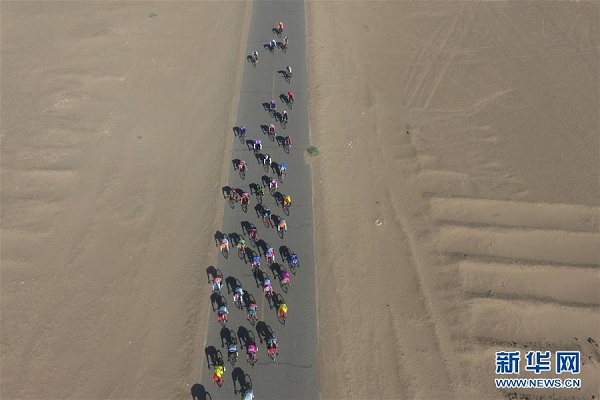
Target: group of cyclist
x,y
240,297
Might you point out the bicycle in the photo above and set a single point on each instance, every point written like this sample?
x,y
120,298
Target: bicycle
x,y
282,316
271,133
238,300
243,169
232,357
245,203
242,137
254,60
293,264
285,285
272,353
281,231
225,250
223,318
252,317
259,194
273,112
241,249
232,200
251,357
287,145
270,259
267,221
286,208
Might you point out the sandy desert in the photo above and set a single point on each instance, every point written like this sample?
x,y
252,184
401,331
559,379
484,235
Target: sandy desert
x,y
457,192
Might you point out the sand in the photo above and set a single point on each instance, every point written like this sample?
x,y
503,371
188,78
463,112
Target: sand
x,y
456,194
115,126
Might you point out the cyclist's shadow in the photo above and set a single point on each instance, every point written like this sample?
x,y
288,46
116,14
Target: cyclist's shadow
x,y
240,379
285,253
213,356
199,392
244,336
226,336
263,331
211,273
217,300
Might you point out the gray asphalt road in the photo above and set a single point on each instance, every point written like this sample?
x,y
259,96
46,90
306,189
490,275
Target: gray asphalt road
x,y
294,374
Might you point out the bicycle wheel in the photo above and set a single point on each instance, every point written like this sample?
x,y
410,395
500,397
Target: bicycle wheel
x,y
292,267
242,137
259,198
286,148
245,207
232,202
286,210
272,355
241,253
266,166
223,321
225,252
282,177
267,222
272,136
280,232
272,189
243,173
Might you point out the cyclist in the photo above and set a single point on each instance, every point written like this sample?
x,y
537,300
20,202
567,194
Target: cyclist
x,y
222,313
224,244
217,284
248,395
239,295
282,169
253,234
294,260
288,70
285,278
271,129
285,42
288,141
242,130
284,116
232,351
272,344
273,183
241,243
273,105
218,374
282,225
280,27
251,353
291,97
233,194
260,190
267,159
257,144
256,262
245,198
272,44
252,309
267,214
270,254
255,55
282,311
267,287
287,201
242,165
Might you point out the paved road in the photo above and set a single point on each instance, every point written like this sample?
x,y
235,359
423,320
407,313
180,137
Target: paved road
x,y
294,375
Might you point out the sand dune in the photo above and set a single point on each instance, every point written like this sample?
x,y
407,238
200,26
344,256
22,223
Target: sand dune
x,y
111,120
459,192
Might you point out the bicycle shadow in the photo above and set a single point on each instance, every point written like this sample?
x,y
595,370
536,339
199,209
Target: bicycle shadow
x,y
231,283
259,277
217,300
225,335
198,392
247,226
241,379
262,247
218,237
278,198
285,253
276,269
213,356
264,331
243,335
